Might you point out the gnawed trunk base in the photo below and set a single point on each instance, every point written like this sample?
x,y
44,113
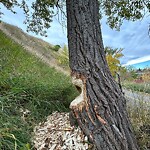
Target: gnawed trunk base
x,y
102,118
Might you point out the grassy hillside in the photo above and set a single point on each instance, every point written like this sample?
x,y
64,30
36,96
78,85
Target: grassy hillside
x,y
24,39
27,84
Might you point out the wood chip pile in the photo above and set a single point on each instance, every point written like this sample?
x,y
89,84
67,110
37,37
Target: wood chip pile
x,y
57,134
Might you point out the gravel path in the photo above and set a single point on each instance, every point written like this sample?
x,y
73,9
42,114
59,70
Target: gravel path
x,y
137,97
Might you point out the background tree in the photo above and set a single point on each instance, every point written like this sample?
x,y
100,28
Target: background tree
x,y
100,109
63,57
146,75
112,57
123,73
131,73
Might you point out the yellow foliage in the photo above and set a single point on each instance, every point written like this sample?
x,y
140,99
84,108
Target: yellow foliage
x,y
112,57
146,76
113,64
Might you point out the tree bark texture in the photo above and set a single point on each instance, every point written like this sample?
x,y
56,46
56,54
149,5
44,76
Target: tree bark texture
x,y
100,109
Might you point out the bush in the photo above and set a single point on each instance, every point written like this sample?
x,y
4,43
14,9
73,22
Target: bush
x,y
56,48
63,57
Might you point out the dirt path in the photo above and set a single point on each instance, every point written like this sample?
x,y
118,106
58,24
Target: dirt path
x,y
137,97
49,60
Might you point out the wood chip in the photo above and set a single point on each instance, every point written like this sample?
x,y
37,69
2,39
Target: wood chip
x,y
57,134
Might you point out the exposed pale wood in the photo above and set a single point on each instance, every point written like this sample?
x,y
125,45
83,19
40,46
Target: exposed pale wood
x,y
80,99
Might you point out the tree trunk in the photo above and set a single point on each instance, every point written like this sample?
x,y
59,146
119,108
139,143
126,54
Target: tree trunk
x,y
100,109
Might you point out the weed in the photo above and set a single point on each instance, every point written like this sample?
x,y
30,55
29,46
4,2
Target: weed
x,y
139,113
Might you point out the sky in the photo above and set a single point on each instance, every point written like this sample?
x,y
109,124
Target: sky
x,y
133,36
142,65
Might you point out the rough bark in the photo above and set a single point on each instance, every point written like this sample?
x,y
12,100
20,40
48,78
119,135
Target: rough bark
x,y
100,109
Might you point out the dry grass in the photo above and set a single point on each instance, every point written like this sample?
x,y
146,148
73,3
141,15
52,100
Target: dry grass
x,y
139,113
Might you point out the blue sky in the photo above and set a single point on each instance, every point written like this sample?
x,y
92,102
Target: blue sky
x,y
142,65
133,36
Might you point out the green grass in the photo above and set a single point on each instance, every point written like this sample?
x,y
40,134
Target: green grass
x,y
140,87
27,83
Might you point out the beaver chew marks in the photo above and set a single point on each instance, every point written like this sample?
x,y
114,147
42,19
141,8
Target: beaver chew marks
x,y
80,99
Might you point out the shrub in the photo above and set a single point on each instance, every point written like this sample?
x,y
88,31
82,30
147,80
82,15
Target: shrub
x,y
63,57
56,48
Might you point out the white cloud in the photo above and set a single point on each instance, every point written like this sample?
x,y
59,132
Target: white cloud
x,y
138,60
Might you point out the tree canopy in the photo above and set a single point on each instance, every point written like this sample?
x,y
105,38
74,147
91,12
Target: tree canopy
x,y
40,12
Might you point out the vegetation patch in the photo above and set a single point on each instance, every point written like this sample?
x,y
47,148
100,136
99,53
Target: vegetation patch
x,y
139,114
56,48
140,87
63,57
30,91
